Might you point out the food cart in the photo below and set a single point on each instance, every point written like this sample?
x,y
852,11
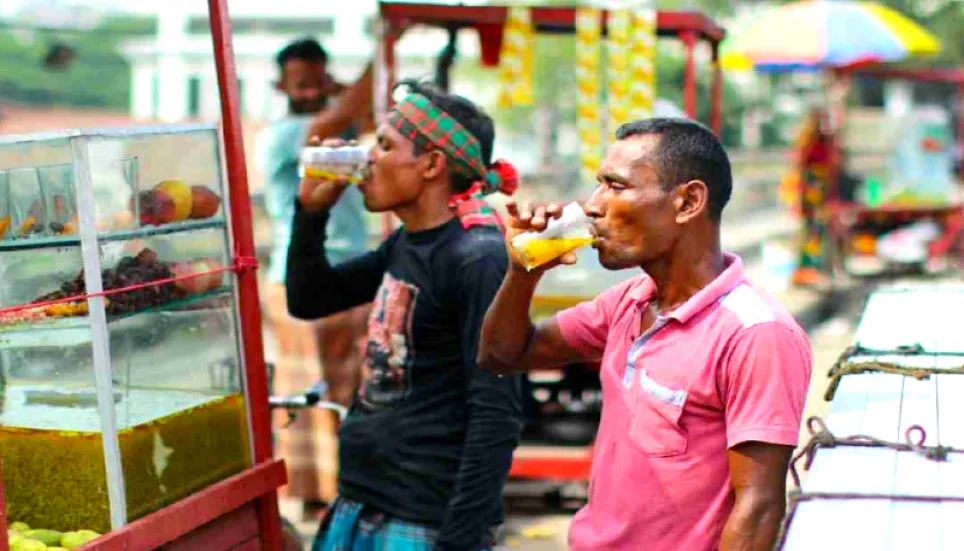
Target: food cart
x,y
133,395
537,458
914,198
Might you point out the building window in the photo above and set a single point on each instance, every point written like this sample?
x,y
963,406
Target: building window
x,y
155,94
194,96
369,25
241,108
311,26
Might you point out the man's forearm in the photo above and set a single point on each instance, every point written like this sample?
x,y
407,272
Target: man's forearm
x,y
507,327
754,523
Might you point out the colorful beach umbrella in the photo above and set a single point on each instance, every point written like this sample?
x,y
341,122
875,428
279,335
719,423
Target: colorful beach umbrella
x,y
813,34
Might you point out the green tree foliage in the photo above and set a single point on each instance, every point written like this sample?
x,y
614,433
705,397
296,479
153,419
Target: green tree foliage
x,y
99,76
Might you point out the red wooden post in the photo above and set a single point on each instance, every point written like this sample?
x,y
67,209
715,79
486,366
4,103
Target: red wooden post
x,y
243,235
689,40
960,124
3,514
716,97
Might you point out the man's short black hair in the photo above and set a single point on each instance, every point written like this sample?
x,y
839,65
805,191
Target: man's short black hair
x,y
469,115
687,151
306,49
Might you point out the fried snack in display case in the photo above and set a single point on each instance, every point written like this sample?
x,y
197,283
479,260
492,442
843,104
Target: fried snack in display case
x,y
120,354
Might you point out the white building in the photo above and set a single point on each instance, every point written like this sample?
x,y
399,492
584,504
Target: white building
x,y
173,75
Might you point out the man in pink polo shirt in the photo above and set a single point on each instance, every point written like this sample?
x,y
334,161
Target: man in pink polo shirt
x,y
704,377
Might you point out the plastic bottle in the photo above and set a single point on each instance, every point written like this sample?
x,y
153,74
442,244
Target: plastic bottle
x,y
334,162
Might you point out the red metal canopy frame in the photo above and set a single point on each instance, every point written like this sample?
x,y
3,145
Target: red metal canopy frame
x,y
689,27
241,512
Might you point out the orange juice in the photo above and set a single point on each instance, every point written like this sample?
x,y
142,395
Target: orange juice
x,y
562,235
538,251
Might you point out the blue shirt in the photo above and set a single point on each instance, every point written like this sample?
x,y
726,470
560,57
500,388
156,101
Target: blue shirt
x,y
346,230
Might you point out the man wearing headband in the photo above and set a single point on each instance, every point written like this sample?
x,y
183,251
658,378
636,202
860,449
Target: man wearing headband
x,y
427,445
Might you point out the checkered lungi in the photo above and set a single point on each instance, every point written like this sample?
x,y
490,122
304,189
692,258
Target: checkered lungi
x,y
351,526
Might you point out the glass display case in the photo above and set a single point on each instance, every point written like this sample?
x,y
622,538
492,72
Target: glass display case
x,y
121,386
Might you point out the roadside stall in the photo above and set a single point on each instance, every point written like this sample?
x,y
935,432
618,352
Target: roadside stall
x,y
564,406
909,211
133,396
885,470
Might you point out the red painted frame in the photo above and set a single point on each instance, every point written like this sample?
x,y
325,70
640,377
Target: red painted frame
x,y
538,462
257,486
689,27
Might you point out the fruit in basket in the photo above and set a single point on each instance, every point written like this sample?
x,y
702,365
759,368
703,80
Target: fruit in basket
x,y
4,226
202,283
156,208
46,537
73,540
130,271
180,193
204,202
28,545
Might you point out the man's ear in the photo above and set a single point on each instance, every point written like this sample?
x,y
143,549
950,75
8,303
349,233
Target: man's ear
x,y
692,198
279,86
435,164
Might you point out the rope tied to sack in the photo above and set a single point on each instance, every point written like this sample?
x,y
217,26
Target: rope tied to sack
x,y
821,437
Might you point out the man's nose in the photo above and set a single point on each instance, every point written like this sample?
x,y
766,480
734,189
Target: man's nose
x,y
594,207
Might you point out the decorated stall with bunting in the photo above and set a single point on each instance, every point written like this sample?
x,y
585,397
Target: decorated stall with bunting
x,y
620,41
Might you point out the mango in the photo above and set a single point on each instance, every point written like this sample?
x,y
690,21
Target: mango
x,y
47,537
204,202
180,193
57,549
28,545
13,538
18,527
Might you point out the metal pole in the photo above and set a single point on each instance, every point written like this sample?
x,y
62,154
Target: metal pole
x,y
716,97
242,232
689,80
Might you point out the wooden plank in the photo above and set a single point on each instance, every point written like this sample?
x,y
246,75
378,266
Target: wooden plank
x,y
190,513
913,526
250,545
853,471
952,529
918,407
226,532
839,525
950,410
912,315
849,405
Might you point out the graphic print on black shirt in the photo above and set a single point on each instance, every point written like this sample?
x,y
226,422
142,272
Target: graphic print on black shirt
x,y
386,376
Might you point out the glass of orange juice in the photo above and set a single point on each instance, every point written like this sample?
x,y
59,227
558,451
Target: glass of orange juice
x,y
562,235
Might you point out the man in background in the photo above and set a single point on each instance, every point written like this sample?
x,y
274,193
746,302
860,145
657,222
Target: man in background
x,y
307,445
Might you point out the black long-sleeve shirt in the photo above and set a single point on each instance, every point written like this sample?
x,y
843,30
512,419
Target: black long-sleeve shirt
x,y
430,436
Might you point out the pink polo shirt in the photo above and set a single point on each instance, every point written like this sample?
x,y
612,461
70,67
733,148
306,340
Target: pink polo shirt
x,y
728,366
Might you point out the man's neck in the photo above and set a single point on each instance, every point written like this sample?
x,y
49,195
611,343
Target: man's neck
x,y
684,273
429,210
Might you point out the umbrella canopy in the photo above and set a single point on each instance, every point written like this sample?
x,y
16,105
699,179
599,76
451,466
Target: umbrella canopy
x,y
812,34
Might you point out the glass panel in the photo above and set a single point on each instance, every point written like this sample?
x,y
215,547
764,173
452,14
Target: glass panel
x,y
181,415
48,405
